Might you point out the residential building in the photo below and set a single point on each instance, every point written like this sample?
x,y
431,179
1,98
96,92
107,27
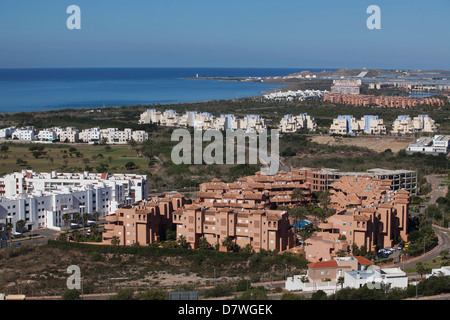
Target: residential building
x,y
49,135
381,101
46,209
21,192
346,86
290,95
144,222
324,275
321,179
260,229
25,133
68,135
406,125
7,132
376,277
442,271
368,124
368,214
430,145
291,123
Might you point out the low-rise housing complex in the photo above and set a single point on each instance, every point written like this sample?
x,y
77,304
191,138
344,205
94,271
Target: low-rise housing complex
x,y
291,123
73,135
369,124
356,272
295,95
204,120
404,124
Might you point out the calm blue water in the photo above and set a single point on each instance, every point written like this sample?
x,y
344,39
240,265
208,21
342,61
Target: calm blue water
x,y
49,89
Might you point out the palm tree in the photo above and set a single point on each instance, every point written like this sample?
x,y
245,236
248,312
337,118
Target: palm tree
x,y
85,218
95,214
298,195
9,227
324,199
66,219
20,224
182,243
78,218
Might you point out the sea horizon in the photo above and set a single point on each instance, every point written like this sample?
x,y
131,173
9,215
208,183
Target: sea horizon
x,y
46,89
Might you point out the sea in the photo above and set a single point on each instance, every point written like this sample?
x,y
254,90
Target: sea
x,y
51,89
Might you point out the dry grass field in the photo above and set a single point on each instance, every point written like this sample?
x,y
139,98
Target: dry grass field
x,y
375,144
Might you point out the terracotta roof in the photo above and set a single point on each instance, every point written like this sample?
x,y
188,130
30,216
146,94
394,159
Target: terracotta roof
x,y
323,264
362,260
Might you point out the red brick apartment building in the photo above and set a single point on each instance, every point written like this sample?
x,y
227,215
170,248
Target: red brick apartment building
x,y
144,222
381,101
249,211
368,213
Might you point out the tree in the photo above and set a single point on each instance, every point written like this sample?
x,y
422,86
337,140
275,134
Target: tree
x,y
85,218
130,165
20,225
71,294
422,269
203,244
155,294
298,195
95,214
78,218
4,148
306,232
230,245
182,243
9,227
66,219
115,241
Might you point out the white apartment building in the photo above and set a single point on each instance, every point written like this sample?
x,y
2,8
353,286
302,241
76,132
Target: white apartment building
x,y
91,135
349,125
47,135
254,123
112,135
295,95
25,133
291,123
46,209
69,134
204,120
7,132
40,199
404,124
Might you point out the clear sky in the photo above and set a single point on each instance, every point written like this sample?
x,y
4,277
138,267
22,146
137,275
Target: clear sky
x,y
231,33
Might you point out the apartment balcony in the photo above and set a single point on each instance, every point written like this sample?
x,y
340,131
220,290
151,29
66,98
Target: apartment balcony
x,y
112,218
108,235
109,226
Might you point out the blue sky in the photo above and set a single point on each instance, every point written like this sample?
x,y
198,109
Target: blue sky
x,y
213,33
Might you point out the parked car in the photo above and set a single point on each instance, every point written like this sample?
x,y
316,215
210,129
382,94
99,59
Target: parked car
x,y
400,246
